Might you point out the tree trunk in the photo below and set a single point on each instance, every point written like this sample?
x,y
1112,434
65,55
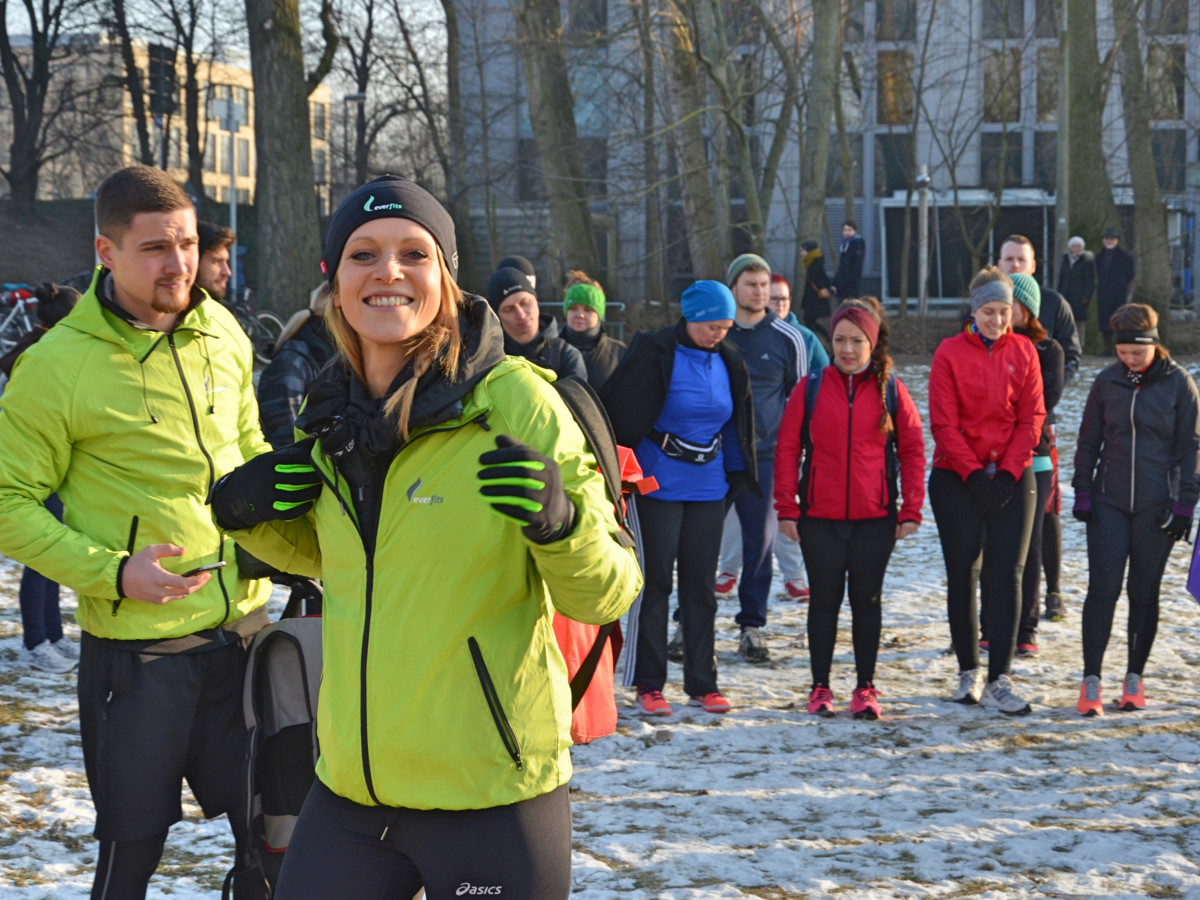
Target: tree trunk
x,y
1153,285
826,44
699,205
289,243
133,84
456,172
655,278
552,115
1090,203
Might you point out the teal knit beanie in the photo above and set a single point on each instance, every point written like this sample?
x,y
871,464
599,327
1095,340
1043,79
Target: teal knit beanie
x,y
584,295
1027,293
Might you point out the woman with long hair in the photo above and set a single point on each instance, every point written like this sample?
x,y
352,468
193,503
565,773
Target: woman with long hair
x,y
986,413
849,519
1137,478
457,507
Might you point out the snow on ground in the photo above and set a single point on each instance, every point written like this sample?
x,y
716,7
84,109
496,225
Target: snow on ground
x,y
933,800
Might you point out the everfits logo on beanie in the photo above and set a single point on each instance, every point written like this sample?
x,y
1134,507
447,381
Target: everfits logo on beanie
x,y
394,197
506,281
707,301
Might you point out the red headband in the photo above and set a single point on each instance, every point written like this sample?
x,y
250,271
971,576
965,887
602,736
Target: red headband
x,y
861,319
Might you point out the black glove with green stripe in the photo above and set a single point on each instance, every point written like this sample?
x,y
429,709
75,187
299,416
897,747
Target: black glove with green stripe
x,y
281,484
523,485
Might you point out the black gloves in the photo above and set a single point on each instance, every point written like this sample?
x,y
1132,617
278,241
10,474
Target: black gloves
x,y
281,484
1178,522
1083,506
523,485
990,494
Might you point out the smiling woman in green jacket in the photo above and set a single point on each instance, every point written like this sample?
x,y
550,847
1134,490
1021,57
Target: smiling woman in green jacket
x,y
456,507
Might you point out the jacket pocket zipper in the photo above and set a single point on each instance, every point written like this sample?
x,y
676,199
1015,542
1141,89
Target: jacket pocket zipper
x,y
493,702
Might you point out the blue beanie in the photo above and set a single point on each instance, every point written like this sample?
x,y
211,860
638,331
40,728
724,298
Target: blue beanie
x,y
706,301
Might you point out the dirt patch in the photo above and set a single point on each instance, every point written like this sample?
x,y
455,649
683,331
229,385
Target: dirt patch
x,y
53,245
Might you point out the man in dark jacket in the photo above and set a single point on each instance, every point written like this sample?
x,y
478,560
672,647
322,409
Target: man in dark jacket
x,y
1077,282
847,282
817,289
528,333
777,358
1016,255
1115,272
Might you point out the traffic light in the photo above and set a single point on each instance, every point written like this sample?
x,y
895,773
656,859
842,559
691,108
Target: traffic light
x,y
163,85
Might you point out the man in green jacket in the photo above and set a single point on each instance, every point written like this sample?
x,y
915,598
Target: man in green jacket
x,y
130,410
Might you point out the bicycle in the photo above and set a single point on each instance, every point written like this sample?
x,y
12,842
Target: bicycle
x,y
263,328
17,319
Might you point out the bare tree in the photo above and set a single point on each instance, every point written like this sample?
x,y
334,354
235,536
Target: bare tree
x,y
822,88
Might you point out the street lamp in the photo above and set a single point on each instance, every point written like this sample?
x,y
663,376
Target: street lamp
x,y
923,185
347,99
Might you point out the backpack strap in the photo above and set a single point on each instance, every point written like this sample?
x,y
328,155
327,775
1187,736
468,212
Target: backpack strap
x,y
811,386
587,668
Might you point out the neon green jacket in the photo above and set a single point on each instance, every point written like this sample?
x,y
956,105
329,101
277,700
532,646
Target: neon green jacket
x,y
443,685
124,422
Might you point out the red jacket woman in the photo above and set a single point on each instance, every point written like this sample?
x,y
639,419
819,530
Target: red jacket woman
x,y
846,523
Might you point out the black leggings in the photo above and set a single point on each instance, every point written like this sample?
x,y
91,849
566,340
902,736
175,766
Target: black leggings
x,y
1031,580
1113,537
1052,552
832,551
343,849
686,533
1003,539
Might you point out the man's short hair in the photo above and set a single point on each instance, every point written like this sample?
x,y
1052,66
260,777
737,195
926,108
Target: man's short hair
x,y
1018,239
851,223
132,190
214,237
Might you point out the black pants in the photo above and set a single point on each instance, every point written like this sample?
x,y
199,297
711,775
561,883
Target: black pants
x,y
834,551
147,723
687,533
1052,552
1003,539
342,849
1031,579
1114,537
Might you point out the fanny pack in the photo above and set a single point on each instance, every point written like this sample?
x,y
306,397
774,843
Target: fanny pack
x,y
676,447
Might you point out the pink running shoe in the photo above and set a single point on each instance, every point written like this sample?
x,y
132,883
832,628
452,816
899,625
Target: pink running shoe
x,y
796,590
651,703
863,703
1133,694
726,585
713,703
820,703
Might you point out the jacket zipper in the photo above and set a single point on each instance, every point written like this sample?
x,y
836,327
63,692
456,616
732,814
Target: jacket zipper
x,y
368,601
1133,449
849,437
493,701
187,391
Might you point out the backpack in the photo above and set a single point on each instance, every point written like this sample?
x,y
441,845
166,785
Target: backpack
x,y
811,387
279,702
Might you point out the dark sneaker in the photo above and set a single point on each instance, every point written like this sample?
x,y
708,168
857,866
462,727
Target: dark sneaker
x,y
1056,610
753,645
675,646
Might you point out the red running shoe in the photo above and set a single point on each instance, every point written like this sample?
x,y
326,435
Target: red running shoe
x,y
820,703
1133,693
863,703
1089,697
651,703
726,585
713,703
797,590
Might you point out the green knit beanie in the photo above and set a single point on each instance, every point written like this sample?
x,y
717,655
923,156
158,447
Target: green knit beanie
x,y
1027,292
584,295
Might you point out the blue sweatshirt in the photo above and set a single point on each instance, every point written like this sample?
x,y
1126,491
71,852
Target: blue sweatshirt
x,y
778,358
699,405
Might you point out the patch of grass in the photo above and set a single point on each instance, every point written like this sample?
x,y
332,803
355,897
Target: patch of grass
x,y
906,856
15,710
1161,890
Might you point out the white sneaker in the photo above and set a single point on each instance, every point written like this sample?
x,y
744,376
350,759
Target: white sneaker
x,y
970,686
46,658
999,695
66,648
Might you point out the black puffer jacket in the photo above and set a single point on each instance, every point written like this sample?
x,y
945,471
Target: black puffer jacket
x,y
549,351
601,353
284,383
636,392
1139,445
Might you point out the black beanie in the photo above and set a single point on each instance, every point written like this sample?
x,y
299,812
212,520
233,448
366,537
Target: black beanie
x,y
393,197
503,282
521,264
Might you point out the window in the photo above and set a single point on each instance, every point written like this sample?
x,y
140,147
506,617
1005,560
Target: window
x,y
319,167
1166,16
851,86
318,120
1045,23
243,157
853,29
1047,84
894,164
585,20
1166,80
1045,160
1002,85
894,102
243,196
999,152
530,186
1003,19
895,20
593,153
210,154
175,149
835,172
241,99
1169,146
223,155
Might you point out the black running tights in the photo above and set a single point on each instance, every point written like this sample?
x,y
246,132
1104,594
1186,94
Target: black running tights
x,y
832,551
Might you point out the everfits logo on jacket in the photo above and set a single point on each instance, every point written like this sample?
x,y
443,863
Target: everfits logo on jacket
x,y
413,498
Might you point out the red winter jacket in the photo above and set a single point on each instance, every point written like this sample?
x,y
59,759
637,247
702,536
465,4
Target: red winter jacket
x,y
848,475
985,404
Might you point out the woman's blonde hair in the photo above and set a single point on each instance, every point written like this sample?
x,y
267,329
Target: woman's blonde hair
x,y
440,342
987,275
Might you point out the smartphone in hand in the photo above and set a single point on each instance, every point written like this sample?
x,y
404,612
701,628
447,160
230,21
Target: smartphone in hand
x,y
207,568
